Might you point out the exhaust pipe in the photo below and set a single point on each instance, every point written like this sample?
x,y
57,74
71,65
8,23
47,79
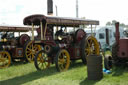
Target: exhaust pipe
x,y
49,7
117,33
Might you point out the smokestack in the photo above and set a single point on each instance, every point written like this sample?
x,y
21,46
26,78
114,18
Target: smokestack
x,y
117,32
49,7
107,36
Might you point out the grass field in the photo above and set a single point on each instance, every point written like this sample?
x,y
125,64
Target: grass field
x,y
26,74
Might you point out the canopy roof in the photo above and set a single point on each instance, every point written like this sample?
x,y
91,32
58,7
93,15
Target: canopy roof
x,y
4,28
57,21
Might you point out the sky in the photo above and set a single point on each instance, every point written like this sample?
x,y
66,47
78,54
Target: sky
x,y
12,12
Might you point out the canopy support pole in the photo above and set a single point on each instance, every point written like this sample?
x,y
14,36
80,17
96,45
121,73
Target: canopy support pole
x,y
91,30
41,30
45,31
32,31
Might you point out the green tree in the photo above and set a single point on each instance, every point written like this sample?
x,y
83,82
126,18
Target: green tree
x,y
122,24
113,22
108,23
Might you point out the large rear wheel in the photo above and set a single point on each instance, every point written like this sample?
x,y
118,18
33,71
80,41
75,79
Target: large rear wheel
x,y
30,50
42,61
5,59
92,46
89,46
62,60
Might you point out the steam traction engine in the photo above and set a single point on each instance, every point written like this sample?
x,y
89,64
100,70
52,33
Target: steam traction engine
x,y
119,50
12,44
61,46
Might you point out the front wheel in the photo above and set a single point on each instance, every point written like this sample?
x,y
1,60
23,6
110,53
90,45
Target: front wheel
x,y
62,60
42,61
5,59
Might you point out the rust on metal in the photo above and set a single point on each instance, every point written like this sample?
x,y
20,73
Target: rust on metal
x,y
123,49
117,32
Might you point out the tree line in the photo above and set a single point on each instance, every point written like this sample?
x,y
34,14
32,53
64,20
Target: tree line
x,y
113,23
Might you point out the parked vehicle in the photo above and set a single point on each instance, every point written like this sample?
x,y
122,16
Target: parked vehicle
x,y
61,47
106,34
119,50
13,41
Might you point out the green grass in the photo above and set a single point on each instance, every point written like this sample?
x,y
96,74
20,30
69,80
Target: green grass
x,y
26,74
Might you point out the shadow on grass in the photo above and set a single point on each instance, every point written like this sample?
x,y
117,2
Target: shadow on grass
x,y
36,75
16,63
76,64
119,70
88,82
29,77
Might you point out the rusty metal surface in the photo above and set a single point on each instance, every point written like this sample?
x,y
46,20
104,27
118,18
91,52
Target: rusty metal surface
x,y
123,48
37,18
117,33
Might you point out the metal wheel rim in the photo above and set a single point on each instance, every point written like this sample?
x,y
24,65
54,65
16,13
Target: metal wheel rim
x,y
63,60
92,46
43,61
5,59
31,50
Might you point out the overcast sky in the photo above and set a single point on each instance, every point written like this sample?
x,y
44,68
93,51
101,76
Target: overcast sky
x,y
13,11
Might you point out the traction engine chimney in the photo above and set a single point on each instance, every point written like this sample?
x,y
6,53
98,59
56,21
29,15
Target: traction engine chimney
x,y
117,33
49,7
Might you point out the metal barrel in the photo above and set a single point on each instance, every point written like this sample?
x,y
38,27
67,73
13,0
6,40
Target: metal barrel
x,y
94,67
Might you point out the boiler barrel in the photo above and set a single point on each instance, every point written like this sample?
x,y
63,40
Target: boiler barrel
x,y
94,67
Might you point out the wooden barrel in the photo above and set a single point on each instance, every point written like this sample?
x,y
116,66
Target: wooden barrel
x,y
94,67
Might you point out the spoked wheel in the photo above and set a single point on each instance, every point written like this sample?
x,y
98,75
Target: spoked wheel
x,y
42,61
5,59
89,46
30,50
62,60
92,46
